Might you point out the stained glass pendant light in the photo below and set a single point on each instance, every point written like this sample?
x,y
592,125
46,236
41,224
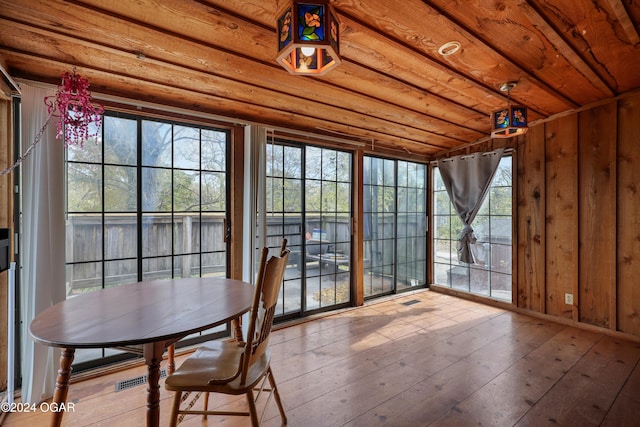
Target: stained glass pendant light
x,y
308,37
509,121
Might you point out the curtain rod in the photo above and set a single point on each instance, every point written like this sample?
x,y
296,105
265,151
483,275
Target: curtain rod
x,y
313,135
466,156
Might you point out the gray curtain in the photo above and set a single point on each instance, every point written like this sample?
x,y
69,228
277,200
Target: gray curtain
x,y
467,179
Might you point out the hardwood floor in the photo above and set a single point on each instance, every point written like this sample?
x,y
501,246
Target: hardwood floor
x,y
416,359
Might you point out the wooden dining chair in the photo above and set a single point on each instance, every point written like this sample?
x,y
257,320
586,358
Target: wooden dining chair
x,y
232,367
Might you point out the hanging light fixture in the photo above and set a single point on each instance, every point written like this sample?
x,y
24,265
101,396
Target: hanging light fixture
x,y
510,121
308,37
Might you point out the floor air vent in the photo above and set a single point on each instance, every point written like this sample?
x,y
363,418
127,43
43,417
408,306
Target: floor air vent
x,y
135,382
411,302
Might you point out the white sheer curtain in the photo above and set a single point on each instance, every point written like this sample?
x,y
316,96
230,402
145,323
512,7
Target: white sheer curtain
x,y
43,240
254,203
467,180
254,200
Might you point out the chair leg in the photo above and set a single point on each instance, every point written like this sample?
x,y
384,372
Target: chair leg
x,y
177,397
206,404
276,395
253,412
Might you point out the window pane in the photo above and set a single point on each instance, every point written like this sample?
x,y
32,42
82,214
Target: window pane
x,y
156,235
441,203
84,238
186,266
292,162
344,167
213,232
403,174
275,160
389,176
156,190
186,147
344,197
121,272
157,268
292,195
490,275
313,163
84,277
329,165
84,187
329,196
120,189
120,141
186,233
186,190
442,227
214,192
438,183
214,151
121,236
156,144
312,195
214,264
501,201
275,194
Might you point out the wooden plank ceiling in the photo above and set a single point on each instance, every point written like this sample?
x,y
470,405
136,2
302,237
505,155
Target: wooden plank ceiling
x,y
393,89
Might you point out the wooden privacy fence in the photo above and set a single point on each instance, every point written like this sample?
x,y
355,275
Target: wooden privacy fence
x,y
181,245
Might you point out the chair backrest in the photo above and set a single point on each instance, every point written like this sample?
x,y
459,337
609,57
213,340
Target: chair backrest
x,y
270,275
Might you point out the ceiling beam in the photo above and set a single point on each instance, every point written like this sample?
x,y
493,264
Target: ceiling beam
x,y
565,49
625,21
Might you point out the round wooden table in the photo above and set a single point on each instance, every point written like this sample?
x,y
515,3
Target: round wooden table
x,y
143,317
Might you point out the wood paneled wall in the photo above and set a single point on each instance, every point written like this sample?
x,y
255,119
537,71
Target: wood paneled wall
x,y
578,210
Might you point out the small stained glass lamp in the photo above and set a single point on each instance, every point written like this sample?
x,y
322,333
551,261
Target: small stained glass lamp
x,y
308,37
509,121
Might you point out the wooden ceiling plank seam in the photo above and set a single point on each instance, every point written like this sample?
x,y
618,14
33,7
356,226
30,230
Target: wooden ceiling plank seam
x,y
393,87
439,64
348,122
315,102
522,69
461,112
467,78
430,94
493,90
169,32
271,63
452,80
418,111
564,48
345,23
625,21
109,74
107,47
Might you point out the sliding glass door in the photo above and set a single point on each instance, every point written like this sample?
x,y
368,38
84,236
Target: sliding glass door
x,y
395,235
308,198
147,199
